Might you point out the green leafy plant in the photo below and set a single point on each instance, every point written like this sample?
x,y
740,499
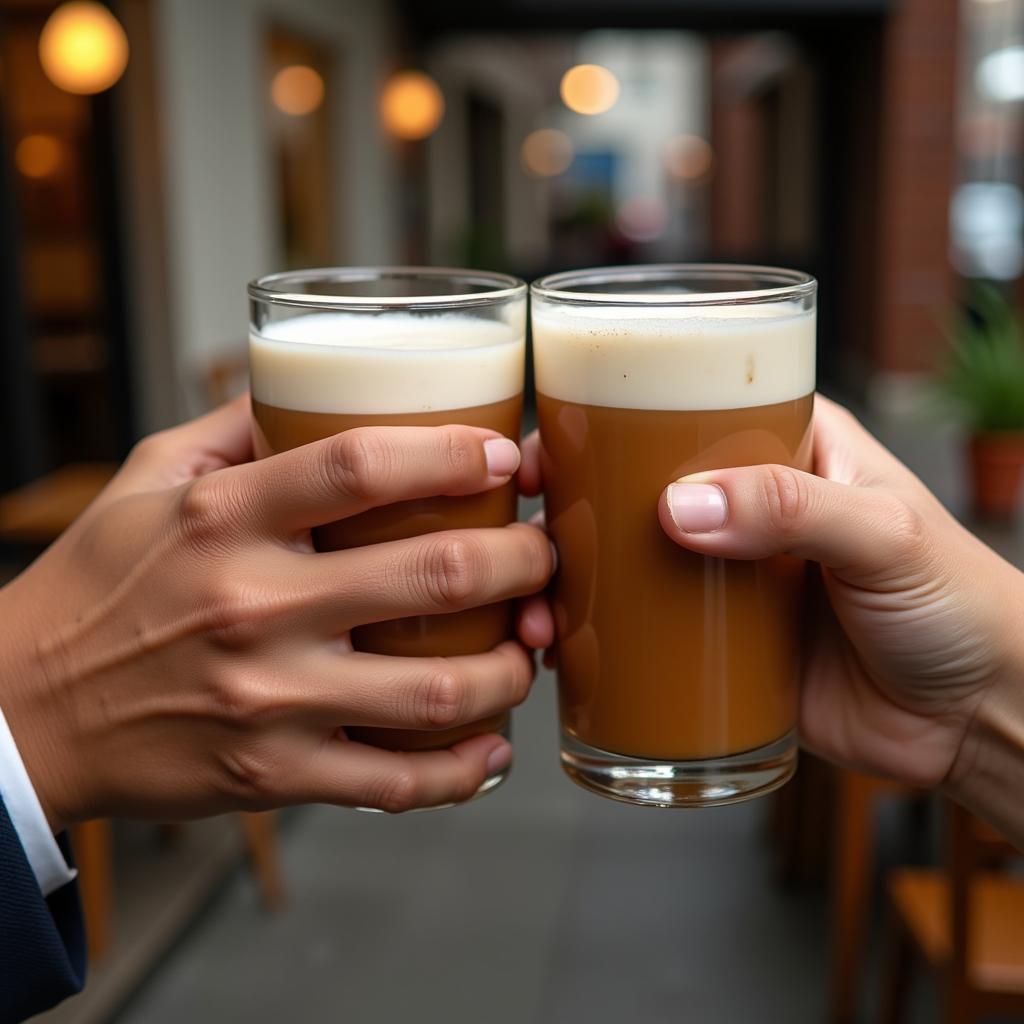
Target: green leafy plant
x,y
985,373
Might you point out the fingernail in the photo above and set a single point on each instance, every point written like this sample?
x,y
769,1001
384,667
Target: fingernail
x,y
554,558
537,519
499,759
697,508
502,456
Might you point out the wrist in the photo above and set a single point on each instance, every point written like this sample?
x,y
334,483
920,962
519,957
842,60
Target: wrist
x,y
987,775
32,709
40,769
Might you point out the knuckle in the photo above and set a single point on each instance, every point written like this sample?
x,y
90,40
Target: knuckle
x,y
443,698
357,462
786,498
398,792
521,679
204,509
233,697
236,612
455,568
459,455
250,775
905,527
466,786
152,448
537,557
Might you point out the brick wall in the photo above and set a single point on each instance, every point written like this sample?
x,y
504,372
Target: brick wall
x,y
890,92
917,166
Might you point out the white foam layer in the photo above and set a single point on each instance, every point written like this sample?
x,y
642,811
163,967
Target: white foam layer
x,y
711,357
385,362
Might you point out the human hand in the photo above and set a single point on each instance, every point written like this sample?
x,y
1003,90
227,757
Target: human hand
x,y
916,623
182,650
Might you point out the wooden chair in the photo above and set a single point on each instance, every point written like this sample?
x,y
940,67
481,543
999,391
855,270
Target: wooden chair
x,y
38,513
34,516
807,850
965,922
93,843
857,798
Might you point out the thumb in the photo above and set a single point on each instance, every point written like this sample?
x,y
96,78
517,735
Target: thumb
x,y
862,534
179,454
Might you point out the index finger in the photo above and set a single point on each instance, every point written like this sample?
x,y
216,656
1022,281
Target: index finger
x,y
367,467
846,452
179,454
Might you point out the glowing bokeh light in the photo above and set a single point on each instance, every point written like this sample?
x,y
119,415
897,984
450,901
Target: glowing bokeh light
x,y
297,90
411,105
589,89
83,48
689,157
39,156
546,152
1000,75
642,218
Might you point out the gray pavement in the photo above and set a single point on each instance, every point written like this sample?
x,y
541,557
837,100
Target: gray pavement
x,y
539,903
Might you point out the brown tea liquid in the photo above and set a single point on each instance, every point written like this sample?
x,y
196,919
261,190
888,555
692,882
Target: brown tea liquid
x,y
664,654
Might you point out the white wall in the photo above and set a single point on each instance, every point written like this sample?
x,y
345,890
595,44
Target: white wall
x,y
664,82
499,69
220,204
664,93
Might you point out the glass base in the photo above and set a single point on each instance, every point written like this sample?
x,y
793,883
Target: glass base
x,y
489,785
706,783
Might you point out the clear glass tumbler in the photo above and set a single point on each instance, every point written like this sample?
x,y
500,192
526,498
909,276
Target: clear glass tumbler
x,y
677,672
400,346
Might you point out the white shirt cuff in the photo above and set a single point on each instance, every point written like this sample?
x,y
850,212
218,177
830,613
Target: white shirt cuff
x,y
26,814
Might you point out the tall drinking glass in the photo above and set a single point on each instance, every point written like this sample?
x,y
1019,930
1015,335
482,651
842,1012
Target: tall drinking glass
x,y
404,346
677,672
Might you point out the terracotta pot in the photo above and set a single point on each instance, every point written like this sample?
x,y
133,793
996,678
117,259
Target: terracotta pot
x,y
997,470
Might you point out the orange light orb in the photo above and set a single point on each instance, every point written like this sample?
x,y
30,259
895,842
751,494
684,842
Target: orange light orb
x,y
589,89
546,152
83,48
689,157
412,105
297,90
39,156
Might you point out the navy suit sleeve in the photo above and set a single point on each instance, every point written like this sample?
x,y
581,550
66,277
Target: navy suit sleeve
x,y
42,941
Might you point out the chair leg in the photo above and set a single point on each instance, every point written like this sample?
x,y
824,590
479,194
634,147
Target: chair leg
x,y
957,1005
897,971
818,795
261,842
93,846
793,827
851,878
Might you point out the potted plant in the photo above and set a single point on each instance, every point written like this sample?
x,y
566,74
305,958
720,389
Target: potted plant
x,y
985,379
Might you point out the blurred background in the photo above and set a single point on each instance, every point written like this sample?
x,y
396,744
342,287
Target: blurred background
x,y
155,155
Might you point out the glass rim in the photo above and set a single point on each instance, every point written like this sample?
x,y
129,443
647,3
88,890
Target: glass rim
x,y
784,284
271,288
